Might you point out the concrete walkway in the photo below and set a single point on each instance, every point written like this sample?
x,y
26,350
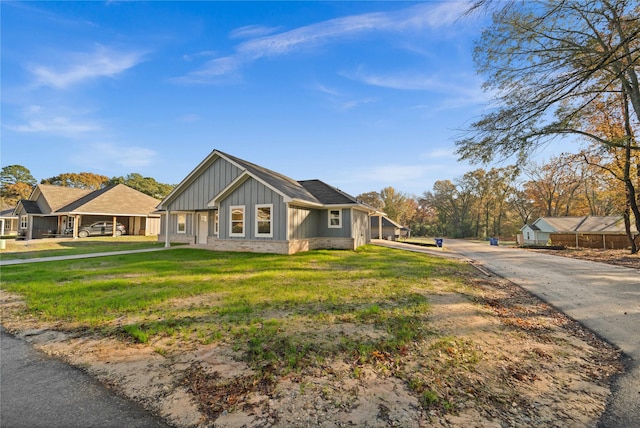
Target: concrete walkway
x,y
76,256
603,297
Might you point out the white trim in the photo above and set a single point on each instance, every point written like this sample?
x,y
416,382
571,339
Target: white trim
x,y
257,229
244,220
334,226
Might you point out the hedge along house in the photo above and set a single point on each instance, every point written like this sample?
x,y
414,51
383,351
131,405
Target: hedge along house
x,y
60,211
229,204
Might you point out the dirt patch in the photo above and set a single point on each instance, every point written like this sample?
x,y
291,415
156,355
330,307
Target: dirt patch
x,y
495,356
612,257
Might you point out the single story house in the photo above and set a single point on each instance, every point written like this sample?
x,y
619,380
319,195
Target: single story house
x,y
387,228
60,211
229,204
8,222
584,231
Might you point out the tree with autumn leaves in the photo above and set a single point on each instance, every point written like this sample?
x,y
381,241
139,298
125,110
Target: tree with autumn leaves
x,y
554,69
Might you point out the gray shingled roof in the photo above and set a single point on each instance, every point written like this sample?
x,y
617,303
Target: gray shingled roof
x,y
282,183
327,194
31,207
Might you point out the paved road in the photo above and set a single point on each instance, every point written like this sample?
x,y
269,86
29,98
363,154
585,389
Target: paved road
x,y
604,298
39,391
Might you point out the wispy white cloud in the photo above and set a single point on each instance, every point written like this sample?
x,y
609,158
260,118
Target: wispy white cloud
x,y
79,67
37,119
349,105
104,156
252,31
414,18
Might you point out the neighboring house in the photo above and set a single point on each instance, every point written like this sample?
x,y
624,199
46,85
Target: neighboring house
x,y
57,210
8,222
387,229
585,231
229,204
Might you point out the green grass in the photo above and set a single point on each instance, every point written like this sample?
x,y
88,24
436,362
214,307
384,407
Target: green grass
x,y
282,313
61,247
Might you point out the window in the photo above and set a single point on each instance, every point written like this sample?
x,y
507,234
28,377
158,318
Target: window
x,y
335,218
237,220
216,226
23,222
182,223
263,220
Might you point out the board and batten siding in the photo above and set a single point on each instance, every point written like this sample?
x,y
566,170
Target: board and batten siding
x,y
303,223
361,225
249,194
207,185
173,224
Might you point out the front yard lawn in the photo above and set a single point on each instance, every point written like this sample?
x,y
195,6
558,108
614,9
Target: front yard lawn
x,y
373,337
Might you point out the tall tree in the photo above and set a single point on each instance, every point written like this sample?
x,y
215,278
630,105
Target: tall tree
x,y
547,63
82,180
146,185
16,182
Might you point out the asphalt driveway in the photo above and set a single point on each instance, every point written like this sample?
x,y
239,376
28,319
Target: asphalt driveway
x,y
39,391
604,298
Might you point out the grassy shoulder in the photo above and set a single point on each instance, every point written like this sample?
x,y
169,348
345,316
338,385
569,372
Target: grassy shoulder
x,y
50,247
387,336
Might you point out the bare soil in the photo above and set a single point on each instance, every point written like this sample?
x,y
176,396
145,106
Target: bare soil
x,y
498,357
613,257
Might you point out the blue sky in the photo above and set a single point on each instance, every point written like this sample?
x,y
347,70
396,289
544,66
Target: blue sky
x,y
362,95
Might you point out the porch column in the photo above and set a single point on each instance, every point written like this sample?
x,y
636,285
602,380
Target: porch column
x,y
167,244
1,227
113,226
380,227
76,223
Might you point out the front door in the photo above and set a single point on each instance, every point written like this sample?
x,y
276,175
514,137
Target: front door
x,y
203,230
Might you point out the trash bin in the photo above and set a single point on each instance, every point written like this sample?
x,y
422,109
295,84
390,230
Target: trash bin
x,y
439,242
493,241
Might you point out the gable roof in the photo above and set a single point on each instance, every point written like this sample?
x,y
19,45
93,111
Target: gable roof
x,y
30,207
57,197
584,224
278,182
386,222
114,200
10,213
312,192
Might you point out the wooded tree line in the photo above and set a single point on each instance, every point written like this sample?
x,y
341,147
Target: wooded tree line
x,y
16,183
498,202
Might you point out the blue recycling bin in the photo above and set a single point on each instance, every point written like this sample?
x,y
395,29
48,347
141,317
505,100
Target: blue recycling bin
x,y
493,241
439,242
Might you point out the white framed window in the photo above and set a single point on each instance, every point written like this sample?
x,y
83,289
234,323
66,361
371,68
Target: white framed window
x,y
236,220
264,222
23,222
182,223
216,224
335,219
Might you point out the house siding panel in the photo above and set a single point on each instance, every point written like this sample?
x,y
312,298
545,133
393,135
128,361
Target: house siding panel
x,y
248,194
303,223
198,194
361,226
325,231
